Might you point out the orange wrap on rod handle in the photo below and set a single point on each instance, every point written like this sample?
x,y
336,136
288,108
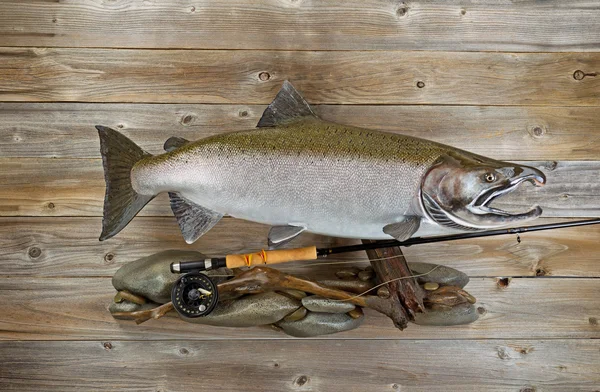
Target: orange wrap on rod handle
x,y
271,257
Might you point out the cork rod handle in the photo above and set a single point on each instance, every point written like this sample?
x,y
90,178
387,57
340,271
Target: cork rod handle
x,y
271,257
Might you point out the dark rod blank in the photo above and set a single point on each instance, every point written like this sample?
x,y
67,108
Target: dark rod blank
x,y
453,237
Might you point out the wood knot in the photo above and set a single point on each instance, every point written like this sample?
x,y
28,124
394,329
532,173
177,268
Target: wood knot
x,y
528,389
578,75
503,282
243,113
193,9
537,131
550,165
50,206
420,84
34,252
402,10
183,351
540,272
120,126
107,346
395,387
463,11
264,76
300,381
481,310
593,321
109,257
187,119
54,20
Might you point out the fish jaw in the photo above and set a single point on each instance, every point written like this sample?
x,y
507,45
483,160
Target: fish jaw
x,y
458,191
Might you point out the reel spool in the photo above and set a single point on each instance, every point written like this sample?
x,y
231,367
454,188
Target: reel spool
x,y
194,295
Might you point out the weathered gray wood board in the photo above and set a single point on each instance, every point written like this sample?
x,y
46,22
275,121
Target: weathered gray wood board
x,y
294,24
341,77
294,365
513,80
66,130
31,187
544,308
69,246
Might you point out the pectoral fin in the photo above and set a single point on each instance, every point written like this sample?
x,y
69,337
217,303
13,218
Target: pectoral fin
x,y
279,235
174,142
193,220
405,229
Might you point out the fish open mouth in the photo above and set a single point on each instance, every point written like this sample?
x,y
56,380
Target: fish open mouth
x,y
481,205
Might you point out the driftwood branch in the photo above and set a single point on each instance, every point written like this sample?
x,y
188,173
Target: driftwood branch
x,y
406,296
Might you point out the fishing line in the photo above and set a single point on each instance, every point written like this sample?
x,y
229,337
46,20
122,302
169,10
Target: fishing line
x,y
384,283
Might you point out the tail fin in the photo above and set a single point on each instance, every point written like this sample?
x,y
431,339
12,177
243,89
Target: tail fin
x,y
121,201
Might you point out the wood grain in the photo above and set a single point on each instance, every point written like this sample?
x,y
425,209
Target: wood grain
x,y
310,365
213,76
304,25
75,187
53,247
66,130
76,309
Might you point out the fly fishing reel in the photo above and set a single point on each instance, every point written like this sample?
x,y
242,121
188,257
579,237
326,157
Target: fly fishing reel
x,y
194,295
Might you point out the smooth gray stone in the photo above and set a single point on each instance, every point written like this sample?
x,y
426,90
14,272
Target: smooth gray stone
x,y
443,275
316,303
248,311
461,314
127,306
151,276
316,324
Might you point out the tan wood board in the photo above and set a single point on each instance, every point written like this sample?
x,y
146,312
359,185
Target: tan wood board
x,y
302,365
69,247
66,130
304,25
341,77
76,187
75,309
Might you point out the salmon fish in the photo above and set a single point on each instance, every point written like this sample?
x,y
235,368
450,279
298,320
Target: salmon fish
x,y
299,173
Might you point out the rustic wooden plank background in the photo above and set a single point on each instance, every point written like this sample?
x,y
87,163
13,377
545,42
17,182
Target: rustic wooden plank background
x,y
514,80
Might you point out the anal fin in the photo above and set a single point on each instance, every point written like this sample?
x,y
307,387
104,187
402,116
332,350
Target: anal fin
x,y
193,220
405,229
280,235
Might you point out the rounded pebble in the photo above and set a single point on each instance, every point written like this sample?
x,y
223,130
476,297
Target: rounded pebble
x,y
315,324
430,286
315,303
347,273
248,311
298,294
383,292
299,314
464,313
366,275
441,274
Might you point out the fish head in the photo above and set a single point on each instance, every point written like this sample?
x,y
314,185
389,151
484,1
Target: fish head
x,y
458,189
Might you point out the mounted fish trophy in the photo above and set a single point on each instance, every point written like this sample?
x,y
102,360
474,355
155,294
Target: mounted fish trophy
x,y
299,173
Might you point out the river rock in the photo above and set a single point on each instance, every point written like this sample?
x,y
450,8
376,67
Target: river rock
x,y
248,311
464,313
316,324
127,306
353,286
316,303
151,276
443,275
299,314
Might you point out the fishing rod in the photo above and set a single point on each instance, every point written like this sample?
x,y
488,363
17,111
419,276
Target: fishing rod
x,y
313,253
195,294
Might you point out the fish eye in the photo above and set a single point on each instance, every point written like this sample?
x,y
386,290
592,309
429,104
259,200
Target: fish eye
x,y
490,177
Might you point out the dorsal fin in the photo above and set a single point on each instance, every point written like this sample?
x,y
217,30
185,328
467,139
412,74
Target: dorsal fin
x,y
287,106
